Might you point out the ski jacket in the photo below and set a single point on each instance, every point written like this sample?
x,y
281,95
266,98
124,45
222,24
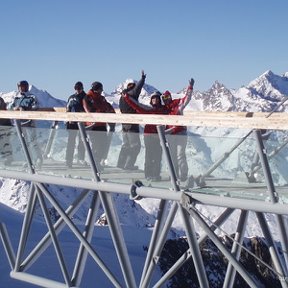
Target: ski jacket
x,y
176,107
75,102
134,93
24,101
95,102
125,108
144,109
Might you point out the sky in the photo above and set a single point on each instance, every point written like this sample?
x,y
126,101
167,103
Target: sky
x,y
52,44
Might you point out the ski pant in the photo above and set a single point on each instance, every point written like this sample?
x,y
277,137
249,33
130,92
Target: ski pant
x,y
177,147
30,135
130,149
98,139
153,156
107,146
73,133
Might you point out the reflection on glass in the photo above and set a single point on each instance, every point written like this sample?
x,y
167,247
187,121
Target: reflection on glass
x,y
226,162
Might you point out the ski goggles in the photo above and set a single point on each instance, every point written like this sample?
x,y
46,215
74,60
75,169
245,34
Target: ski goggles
x,y
166,97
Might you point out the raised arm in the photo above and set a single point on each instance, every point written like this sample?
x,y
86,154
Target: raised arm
x,y
187,98
139,108
139,85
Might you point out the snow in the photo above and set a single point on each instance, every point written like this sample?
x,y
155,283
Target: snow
x,y
136,239
137,217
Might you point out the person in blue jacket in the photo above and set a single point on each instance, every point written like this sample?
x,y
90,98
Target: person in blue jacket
x,y
26,101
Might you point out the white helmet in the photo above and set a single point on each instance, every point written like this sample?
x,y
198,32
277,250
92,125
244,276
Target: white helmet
x,y
128,83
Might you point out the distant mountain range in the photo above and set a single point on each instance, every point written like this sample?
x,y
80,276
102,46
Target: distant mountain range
x,y
261,94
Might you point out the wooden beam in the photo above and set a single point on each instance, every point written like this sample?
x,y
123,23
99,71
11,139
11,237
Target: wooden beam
x,y
257,120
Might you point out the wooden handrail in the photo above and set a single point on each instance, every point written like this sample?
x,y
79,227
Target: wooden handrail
x,y
256,120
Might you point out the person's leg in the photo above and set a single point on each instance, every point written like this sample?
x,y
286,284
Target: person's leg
x,y
157,156
32,138
80,148
100,143
172,141
181,157
148,165
70,146
96,140
122,158
133,151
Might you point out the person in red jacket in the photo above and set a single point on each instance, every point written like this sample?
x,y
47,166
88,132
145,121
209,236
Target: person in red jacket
x,y
153,149
95,102
177,135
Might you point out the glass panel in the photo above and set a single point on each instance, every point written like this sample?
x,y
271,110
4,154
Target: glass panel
x,y
63,153
219,161
11,151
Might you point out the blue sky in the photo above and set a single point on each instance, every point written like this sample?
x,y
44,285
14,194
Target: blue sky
x,y
55,43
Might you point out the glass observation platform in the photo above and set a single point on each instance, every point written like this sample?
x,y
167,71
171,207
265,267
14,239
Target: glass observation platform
x,y
221,161
235,161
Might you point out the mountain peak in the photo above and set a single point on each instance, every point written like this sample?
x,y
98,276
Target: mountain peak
x,y
217,85
269,86
267,73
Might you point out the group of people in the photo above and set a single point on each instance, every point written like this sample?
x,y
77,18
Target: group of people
x,y
93,101
177,135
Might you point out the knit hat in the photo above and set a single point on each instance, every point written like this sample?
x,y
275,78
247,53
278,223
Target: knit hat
x,y
78,85
96,86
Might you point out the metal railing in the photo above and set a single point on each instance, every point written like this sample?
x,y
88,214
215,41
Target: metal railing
x,y
209,183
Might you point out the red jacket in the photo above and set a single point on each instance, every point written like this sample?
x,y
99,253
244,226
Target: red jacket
x,y
176,107
143,109
95,102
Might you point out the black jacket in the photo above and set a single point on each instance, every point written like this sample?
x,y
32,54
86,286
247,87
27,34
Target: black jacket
x,y
74,103
134,93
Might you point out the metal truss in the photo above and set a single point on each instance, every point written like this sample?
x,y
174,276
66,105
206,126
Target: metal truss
x,y
173,200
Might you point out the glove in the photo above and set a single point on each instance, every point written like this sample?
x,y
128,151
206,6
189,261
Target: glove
x,y
143,75
124,92
191,82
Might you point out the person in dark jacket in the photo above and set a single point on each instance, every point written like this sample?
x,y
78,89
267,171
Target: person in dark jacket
x,y
5,133
95,102
75,104
177,135
153,149
131,144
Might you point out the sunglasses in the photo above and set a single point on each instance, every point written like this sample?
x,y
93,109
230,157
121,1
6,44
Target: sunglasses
x,y
130,85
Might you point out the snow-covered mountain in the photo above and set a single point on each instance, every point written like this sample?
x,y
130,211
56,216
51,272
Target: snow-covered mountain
x,y
44,98
261,94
